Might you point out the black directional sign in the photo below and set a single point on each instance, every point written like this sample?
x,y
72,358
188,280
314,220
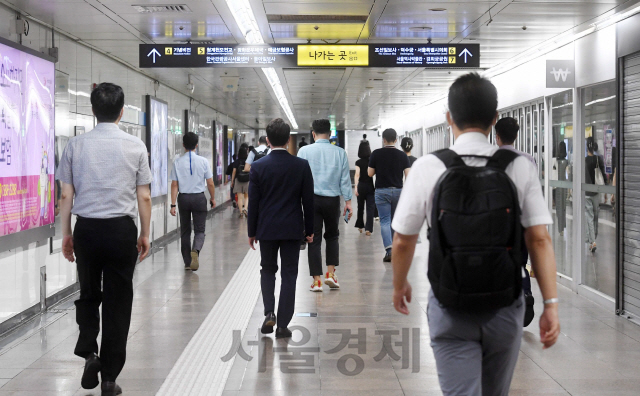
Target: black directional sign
x,y
311,55
196,55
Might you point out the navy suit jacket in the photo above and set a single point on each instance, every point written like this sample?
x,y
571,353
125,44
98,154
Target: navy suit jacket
x,y
280,197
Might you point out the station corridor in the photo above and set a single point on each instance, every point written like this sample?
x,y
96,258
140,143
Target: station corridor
x,y
183,325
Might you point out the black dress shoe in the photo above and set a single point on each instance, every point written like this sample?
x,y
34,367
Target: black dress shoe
x,y
283,332
269,322
387,257
111,389
528,309
92,367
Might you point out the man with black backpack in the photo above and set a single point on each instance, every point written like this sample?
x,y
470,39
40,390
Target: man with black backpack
x,y
259,152
477,201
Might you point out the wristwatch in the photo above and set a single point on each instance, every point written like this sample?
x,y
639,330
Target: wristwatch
x,y
173,206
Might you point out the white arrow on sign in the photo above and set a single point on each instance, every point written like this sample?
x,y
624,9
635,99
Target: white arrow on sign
x,y
154,52
466,53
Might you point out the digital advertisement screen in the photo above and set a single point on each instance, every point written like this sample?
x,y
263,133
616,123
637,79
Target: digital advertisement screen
x,y
27,141
219,151
157,143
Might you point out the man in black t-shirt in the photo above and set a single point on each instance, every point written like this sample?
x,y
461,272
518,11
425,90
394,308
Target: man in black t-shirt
x,y
389,165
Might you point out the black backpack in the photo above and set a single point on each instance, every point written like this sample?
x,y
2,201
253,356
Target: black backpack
x,y
259,154
475,252
241,175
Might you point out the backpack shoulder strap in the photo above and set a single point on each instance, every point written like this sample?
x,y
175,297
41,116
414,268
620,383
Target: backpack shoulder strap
x,y
449,158
502,158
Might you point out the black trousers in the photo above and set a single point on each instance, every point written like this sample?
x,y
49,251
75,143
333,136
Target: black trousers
x,y
106,253
366,196
289,259
327,213
192,205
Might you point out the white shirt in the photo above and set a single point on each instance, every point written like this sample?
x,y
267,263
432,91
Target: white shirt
x,y
252,155
415,202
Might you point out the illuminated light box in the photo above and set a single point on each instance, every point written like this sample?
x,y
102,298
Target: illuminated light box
x,y
157,121
27,145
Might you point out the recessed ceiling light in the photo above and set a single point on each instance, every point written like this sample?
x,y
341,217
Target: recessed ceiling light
x,y
420,28
437,9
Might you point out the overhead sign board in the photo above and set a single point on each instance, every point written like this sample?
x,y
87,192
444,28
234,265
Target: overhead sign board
x,y
308,55
195,55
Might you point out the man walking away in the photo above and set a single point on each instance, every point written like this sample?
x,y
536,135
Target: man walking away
x,y
331,179
506,133
257,153
302,143
107,172
189,175
389,165
476,307
280,187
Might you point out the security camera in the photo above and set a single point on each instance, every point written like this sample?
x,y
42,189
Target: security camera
x,y
316,27
191,87
181,28
524,27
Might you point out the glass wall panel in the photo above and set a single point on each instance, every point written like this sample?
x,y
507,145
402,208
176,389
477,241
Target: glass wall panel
x,y
599,225
560,180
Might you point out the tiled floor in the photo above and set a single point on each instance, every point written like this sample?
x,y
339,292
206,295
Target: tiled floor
x,y
598,353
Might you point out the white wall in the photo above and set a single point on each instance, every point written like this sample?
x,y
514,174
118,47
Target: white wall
x,y
20,268
353,138
595,58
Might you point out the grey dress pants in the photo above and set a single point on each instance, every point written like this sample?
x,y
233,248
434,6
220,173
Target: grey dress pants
x,y
476,353
192,205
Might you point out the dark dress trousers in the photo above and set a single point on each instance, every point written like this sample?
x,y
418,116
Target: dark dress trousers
x,y
280,212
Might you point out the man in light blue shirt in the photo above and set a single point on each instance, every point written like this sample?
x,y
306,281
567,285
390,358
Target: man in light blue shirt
x,y
331,179
190,175
262,148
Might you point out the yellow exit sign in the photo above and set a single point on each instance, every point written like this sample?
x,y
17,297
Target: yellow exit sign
x,y
333,55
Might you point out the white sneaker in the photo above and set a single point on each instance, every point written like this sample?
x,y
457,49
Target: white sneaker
x,y
316,286
331,280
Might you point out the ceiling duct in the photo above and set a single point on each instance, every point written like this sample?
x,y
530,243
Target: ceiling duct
x,y
173,8
278,18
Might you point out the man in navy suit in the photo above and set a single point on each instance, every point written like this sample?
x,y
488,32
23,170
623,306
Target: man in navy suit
x,y
280,211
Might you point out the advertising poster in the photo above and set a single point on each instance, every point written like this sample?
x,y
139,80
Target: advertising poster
x,y
219,152
230,146
157,143
205,149
608,150
27,141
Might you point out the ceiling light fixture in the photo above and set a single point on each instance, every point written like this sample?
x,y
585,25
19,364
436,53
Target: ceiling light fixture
x,y
437,9
246,21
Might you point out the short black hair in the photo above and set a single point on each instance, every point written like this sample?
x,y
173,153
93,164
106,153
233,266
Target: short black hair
x,y
107,101
303,138
278,132
390,135
562,150
364,135
243,153
473,102
262,139
364,151
190,140
321,126
507,129
406,144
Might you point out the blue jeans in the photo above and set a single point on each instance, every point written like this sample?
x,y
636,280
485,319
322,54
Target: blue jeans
x,y
386,202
